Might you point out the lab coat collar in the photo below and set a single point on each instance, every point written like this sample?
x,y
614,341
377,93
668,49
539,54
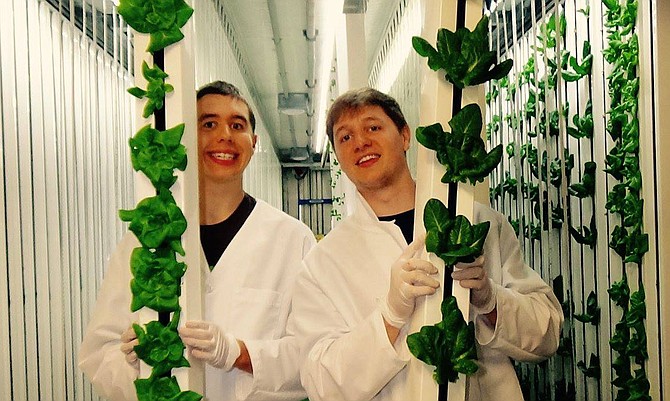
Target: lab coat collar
x,y
366,219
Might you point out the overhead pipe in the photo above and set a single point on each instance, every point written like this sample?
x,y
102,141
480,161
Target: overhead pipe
x,y
281,63
311,34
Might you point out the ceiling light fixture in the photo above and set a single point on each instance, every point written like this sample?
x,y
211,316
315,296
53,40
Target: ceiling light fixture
x,y
293,104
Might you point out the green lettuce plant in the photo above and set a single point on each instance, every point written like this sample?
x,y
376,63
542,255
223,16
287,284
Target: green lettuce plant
x,y
448,345
462,152
163,389
157,221
160,346
161,19
452,239
155,91
158,153
464,55
156,282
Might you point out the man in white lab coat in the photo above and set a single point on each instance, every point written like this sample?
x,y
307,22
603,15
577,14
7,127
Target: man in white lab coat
x,y
358,288
254,252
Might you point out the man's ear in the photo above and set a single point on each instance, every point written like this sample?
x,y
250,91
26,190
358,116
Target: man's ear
x,y
406,136
253,144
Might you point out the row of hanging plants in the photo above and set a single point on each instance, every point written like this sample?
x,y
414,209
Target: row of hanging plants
x,y
465,58
157,221
541,119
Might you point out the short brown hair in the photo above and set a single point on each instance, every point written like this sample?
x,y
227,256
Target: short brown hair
x,y
225,89
361,97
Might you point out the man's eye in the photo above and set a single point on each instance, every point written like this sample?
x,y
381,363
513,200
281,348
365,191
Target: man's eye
x,y
345,138
237,126
375,128
209,124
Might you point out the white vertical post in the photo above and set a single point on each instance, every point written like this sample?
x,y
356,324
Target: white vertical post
x,y
436,105
180,107
352,72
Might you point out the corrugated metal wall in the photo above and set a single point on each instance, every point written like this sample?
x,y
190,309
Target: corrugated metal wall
x,y
65,123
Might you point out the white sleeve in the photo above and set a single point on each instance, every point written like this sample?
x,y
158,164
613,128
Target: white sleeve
x,y
339,362
529,316
100,357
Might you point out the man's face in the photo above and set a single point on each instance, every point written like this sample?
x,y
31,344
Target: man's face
x,y
225,139
370,148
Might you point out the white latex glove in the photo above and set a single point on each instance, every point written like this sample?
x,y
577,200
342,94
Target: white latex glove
x,y
207,342
473,275
128,342
410,279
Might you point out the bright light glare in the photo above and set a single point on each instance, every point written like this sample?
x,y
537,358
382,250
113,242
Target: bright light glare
x,y
331,15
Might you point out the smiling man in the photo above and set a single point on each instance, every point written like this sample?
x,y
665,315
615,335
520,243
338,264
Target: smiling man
x,y
254,253
358,289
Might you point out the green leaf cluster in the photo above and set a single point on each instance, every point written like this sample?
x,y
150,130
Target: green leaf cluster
x,y
156,281
550,32
464,55
452,239
593,370
448,345
163,389
583,125
586,235
157,222
587,187
160,346
592,313
462,152
630,342
161,19
158,153
156,89
579,70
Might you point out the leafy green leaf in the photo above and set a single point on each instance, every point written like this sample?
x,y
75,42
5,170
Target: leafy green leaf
x,y
160,346
462,152
161,19
587,186
452,239
449,345
163,389
593,370
156,89
156,281
464,55
158,153
592,313
157,222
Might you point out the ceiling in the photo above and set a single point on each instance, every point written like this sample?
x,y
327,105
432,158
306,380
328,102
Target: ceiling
x,y
282,47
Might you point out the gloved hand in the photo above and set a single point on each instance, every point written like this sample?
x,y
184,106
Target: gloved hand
x,y
410,279
473,275
208,343
128,342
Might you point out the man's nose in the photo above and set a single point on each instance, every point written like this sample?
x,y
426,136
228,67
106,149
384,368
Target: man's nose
x,y
362,140
224,134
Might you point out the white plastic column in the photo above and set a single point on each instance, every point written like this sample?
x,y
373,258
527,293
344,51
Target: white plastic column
x,y
180,107
352,72
436,105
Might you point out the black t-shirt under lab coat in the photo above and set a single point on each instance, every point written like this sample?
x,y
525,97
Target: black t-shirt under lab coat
x,y
215,238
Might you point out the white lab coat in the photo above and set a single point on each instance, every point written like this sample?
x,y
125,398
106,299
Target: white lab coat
x,y
345,351
248,295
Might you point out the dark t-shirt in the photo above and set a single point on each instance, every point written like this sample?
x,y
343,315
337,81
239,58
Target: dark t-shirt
x,y
405,221
215,238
